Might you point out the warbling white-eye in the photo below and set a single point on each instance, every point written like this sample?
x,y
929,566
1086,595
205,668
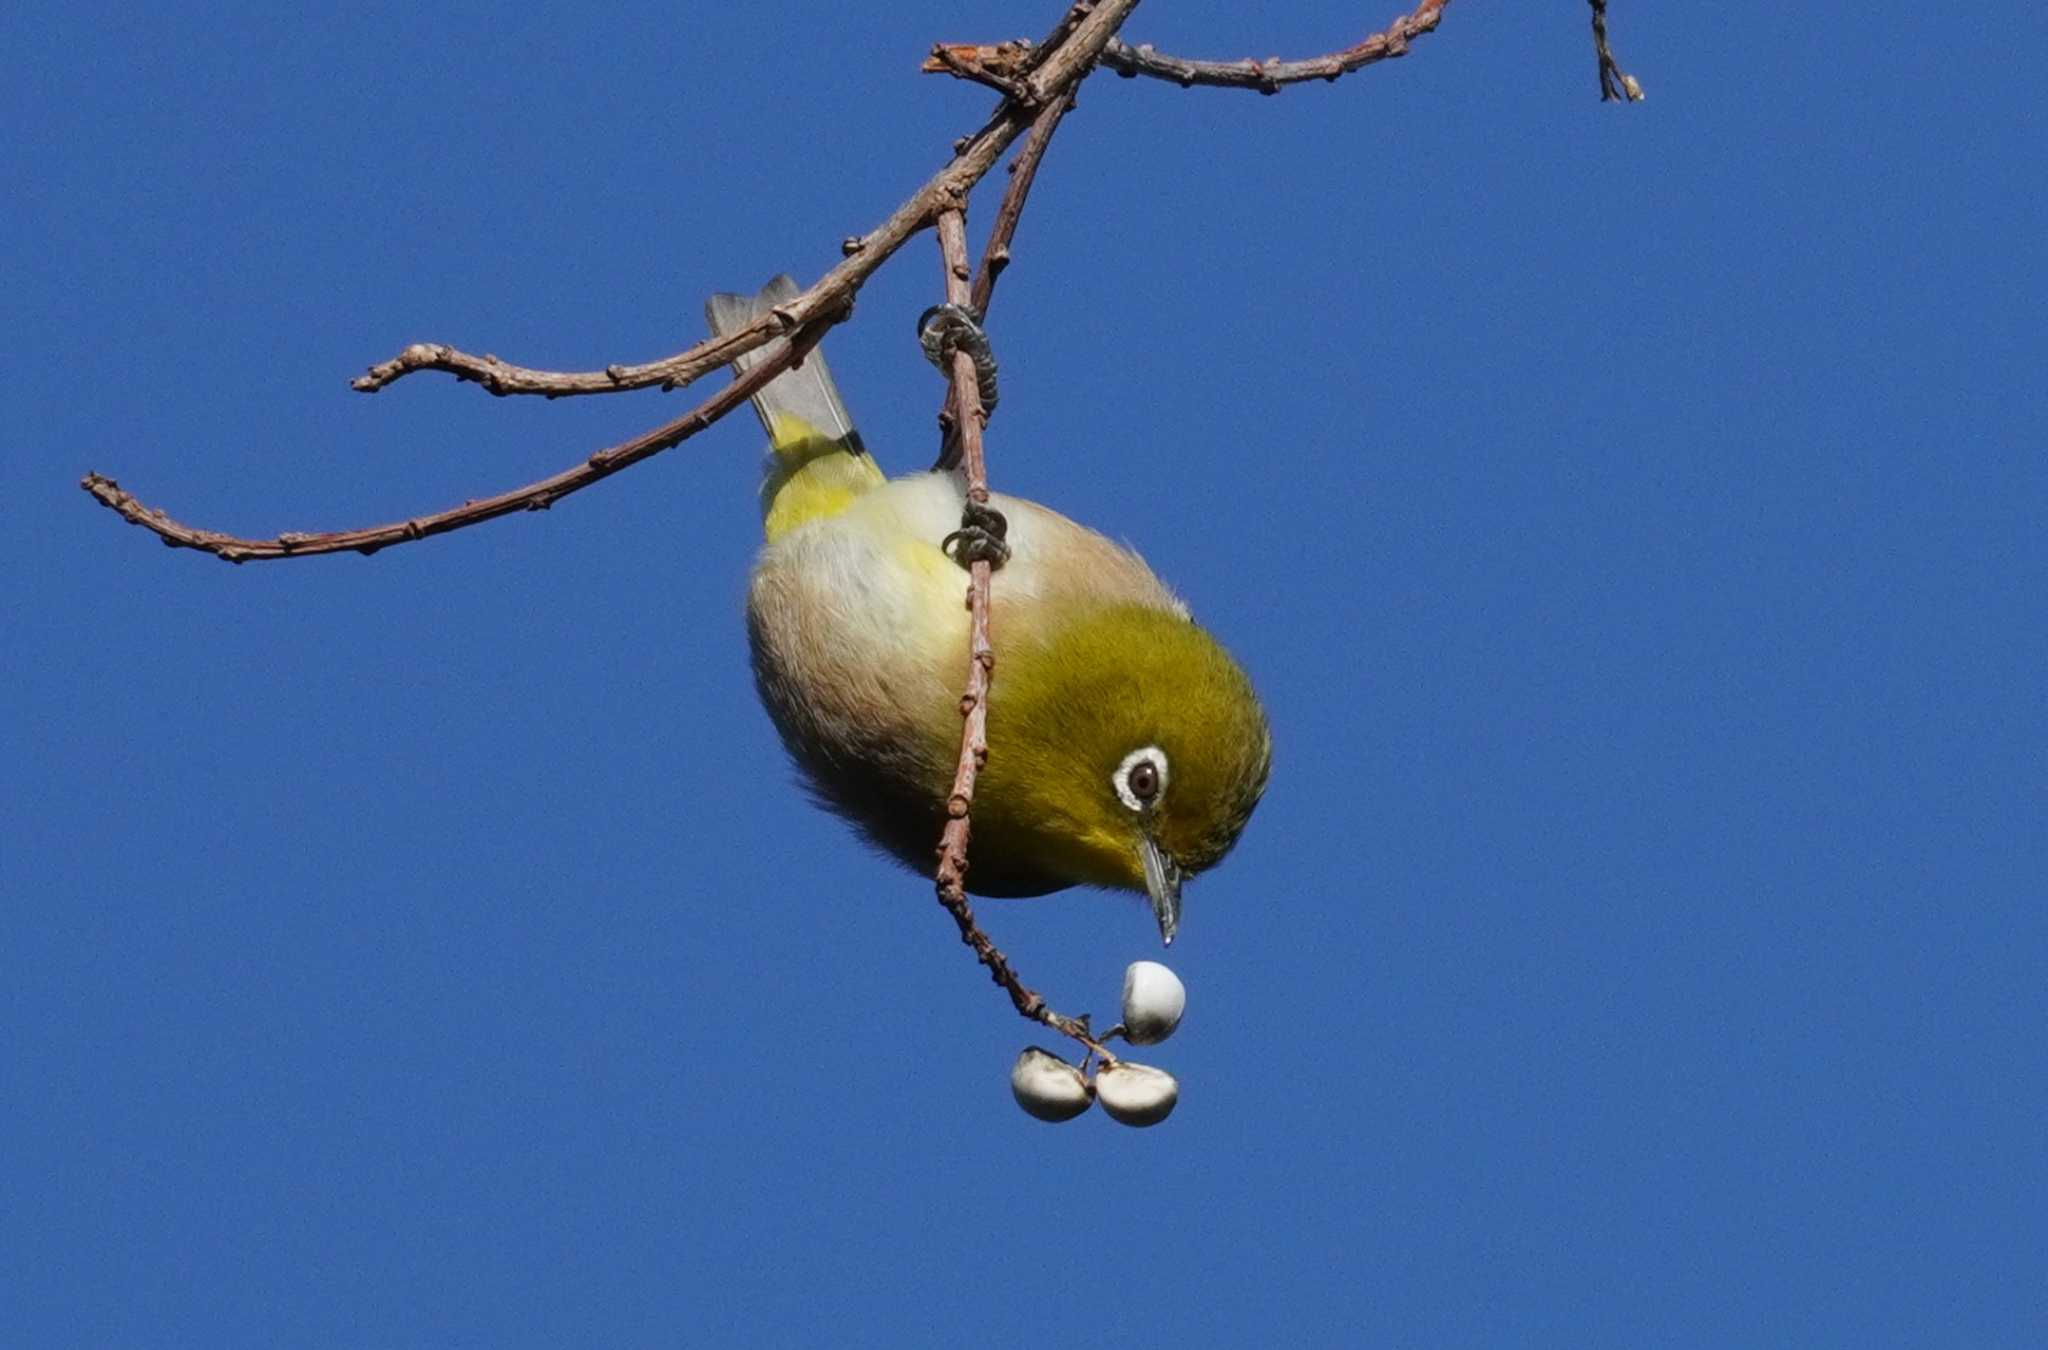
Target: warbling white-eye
x,y
1126,747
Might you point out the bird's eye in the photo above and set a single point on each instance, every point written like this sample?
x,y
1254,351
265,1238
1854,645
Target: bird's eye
x,y
1140,780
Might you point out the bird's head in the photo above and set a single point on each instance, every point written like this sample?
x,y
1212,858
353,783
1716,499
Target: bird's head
x,y
1127,750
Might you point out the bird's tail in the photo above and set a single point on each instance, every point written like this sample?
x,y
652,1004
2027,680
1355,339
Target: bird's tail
x,y
816,463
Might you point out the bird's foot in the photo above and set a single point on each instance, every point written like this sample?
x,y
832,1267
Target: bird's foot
x,y
980,538
945,329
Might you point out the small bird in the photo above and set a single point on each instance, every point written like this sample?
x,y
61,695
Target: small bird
x,y
1126,748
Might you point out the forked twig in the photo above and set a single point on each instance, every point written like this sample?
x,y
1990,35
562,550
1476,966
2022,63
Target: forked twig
x,y
1081,34
995,255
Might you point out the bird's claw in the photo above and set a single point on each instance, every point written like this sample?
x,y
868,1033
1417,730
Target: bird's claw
x,y
981,537
945,329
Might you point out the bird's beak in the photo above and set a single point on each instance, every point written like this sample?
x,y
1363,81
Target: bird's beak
x,y
1162,881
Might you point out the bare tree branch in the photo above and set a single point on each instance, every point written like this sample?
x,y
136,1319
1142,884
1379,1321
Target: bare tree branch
x,y
533,497
991,64
968,422
995,255
1087,26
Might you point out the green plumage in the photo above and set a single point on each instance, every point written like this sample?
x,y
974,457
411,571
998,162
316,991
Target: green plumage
x,y
1069,704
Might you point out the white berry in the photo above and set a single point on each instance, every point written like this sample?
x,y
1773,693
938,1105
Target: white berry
x,y
1136,1094
1048,1087
1154,999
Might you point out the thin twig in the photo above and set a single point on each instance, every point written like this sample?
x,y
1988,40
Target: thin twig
x,y
533,497
1614,84
988,62
968,422
995,255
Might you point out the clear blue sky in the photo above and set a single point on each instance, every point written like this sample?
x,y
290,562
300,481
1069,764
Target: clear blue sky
x,y
1632,516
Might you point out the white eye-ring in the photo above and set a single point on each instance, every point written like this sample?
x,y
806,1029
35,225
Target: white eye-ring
x,y
1140,781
